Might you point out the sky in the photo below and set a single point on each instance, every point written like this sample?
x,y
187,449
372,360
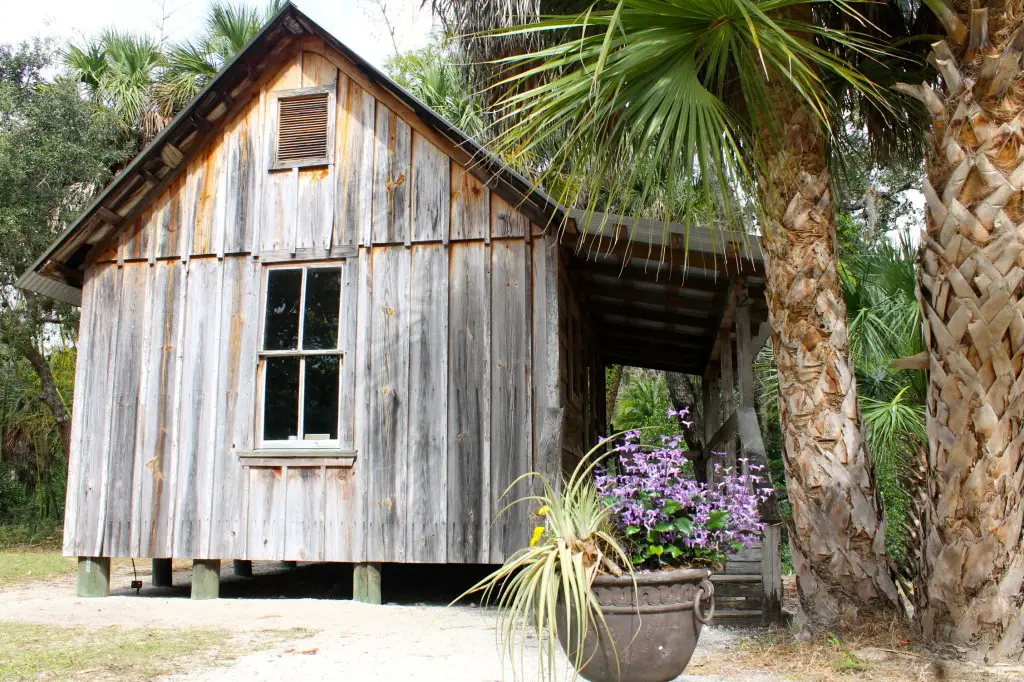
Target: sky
x,y
357,23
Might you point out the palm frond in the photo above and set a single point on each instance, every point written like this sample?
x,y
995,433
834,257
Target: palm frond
x,y
686,82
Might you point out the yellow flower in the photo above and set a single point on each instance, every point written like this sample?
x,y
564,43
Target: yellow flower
x,y
538,533
543,511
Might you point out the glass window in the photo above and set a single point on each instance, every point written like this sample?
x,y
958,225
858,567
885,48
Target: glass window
x,y
301,357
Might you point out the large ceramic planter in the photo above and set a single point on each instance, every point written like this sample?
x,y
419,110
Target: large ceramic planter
x,y
653,640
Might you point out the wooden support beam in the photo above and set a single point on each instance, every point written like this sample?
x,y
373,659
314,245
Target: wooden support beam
x,y
200,123
725,360
163,573
205,578
366,583
648,362
671,281
745,370
93,576
149,177
725,321
764,332
771,573
744,425
242,568
224,97
109,216
289,565
171,156
712,415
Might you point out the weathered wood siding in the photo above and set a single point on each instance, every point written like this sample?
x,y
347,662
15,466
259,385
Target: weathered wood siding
x,y
450,366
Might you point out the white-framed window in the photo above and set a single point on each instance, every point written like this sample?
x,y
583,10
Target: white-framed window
x,y
300,358
303,133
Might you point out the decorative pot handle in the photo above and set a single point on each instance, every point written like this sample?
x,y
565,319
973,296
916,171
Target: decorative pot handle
x,y
705,589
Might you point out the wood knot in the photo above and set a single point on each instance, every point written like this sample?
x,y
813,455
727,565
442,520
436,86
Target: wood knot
x,y
397,182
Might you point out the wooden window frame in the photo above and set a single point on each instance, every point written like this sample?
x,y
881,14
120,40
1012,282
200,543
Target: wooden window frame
x,y
274,109
299,447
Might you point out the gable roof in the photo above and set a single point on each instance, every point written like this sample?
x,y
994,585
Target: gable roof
x,y
59,271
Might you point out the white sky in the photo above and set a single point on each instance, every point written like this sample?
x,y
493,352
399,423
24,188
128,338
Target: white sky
x,y
357,23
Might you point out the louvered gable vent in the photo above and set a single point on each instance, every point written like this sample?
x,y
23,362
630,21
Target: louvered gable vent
x,y
303,130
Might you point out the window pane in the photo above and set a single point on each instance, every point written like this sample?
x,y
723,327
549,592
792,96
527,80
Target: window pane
x,y
281,402
321,414
323,296
283,290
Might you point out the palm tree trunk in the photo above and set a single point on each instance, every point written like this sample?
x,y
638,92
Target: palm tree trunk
x,y
970,283
838,528
613,381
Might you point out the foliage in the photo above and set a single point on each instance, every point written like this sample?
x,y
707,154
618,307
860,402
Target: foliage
x,y
669,519
434,75
190,65
119,71
685,84
33,472
21,566
145,82
643,406
28,651
879,283
56,148
885,325
575,542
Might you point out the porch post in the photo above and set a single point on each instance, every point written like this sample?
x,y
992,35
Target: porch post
x,y
162,573
743,351
366,583
712,420
205,578
93,576
725,358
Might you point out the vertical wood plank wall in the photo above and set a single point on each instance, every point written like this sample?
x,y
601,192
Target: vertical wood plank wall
x,y
449,331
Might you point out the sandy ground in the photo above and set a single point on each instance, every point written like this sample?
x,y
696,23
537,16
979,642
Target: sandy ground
x,y
350,641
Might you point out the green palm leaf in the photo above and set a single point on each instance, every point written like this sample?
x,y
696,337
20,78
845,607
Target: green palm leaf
x,y
684,82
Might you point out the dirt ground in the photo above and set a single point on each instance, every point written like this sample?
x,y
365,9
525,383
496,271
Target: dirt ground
x,y
279,631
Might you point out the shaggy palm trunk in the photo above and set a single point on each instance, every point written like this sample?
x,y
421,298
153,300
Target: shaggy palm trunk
x,y
838,529
970,283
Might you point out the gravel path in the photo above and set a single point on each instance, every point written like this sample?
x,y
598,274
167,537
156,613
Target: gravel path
x,y
351,641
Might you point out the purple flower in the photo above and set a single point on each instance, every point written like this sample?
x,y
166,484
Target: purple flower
x,y
666,516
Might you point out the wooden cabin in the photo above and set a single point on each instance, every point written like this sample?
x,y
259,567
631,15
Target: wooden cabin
x,y
319,323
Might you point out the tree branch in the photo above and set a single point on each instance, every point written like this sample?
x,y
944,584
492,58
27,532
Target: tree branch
x,y
50,395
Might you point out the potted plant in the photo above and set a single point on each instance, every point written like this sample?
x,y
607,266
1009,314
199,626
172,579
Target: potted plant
x,y
618,568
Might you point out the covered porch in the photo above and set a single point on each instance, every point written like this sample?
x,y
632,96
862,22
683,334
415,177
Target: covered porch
x,y
694,306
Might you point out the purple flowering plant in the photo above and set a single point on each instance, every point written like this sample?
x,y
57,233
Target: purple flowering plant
x,y
668,518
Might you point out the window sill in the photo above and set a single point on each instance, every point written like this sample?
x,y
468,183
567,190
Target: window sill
x,y
288,457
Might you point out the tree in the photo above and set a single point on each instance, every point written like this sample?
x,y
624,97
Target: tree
x,y
119,70
56,148
721,93
971,587
147,83
190,65
434,75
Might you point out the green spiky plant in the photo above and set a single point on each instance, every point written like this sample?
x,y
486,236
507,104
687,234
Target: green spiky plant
x,y
574,542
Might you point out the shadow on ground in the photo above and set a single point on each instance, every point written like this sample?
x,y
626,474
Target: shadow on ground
x,y
409,584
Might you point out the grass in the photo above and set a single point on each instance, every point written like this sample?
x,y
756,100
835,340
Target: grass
x,y
33,652
28,652
23,565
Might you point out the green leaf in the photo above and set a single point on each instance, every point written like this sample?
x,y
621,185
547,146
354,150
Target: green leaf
x,y
632,530
672,507
718,520
684,525
655,550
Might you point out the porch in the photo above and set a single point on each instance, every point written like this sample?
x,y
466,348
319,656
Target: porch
x,y
694,306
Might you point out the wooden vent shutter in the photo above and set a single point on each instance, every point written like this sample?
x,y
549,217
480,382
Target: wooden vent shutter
x,y
303,129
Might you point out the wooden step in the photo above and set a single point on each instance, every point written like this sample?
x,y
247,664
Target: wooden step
x,y
736,578
738,617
